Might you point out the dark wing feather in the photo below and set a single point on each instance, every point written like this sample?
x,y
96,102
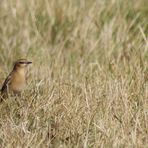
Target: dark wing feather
x,y
5,84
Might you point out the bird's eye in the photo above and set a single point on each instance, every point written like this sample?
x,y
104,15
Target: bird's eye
x,y
22,62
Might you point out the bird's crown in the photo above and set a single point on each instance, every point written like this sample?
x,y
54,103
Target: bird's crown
x,y
21,63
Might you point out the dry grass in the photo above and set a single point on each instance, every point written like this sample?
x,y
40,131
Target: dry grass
x,y
89,81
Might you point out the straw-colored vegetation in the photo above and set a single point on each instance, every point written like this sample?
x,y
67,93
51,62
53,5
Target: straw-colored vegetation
x,y
88,85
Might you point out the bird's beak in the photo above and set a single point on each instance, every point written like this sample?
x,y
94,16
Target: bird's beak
x,y
29,62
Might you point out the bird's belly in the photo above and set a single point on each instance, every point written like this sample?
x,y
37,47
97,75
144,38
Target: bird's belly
x,y
17,87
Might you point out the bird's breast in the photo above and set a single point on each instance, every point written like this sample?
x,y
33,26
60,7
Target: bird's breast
x,y
18,82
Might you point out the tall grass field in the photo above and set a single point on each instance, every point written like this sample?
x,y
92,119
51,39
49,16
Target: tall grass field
x,y
88,84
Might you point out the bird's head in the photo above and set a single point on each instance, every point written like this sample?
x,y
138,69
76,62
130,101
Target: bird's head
x,y
21,63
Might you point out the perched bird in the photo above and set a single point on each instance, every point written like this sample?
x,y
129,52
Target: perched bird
x,y
16,80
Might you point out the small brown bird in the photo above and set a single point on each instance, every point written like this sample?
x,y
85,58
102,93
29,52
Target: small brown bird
x,y
16,80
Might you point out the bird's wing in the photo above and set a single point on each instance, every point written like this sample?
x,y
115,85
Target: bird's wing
x,y
6,83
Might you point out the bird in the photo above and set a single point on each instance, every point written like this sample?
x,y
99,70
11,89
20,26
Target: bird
x,y
16,80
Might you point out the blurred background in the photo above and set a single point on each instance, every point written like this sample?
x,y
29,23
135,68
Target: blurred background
x,y
91,56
